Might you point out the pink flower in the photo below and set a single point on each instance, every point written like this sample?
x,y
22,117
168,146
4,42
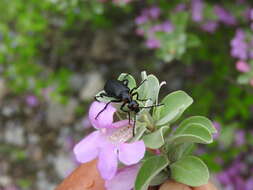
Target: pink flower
x,y
218,127
109,143
124,179
251,82
154,12
242,66
153,43
167,26
209,26
32,100
197,10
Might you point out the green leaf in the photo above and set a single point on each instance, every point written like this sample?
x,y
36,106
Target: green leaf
x,y
105,98
175,104
177,151
159,178
205,122
155,140
149,89
130,78
192,132
149,169
190,170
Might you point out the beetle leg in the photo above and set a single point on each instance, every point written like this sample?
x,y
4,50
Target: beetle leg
x,y
134,125
153,106
137,97
106,107
135,88
122,106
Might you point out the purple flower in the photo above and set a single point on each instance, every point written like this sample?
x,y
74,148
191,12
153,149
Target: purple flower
x,y
86,123
154,12
140,32
167,26
218,127
224,16
124,179
224,178
249,184
180,7
240,138
197,10
155,28
210,26
32,100
251,14
242,66
239,46
109,142
251,82
141,19
239,183
153,43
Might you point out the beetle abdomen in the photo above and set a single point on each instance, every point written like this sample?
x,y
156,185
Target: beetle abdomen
x,y
114,88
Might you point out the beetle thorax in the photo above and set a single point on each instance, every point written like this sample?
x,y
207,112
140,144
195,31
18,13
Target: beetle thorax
x,y
126,97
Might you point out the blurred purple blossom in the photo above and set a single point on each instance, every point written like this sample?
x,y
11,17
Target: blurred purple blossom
x,y
210,26
224,16
218,127
86,122
251,14
141,19
197,10
249,184
239,138
139,31
251,82
167,26
31,100
242,66
153,43
224,178
239,46
180,7
154,12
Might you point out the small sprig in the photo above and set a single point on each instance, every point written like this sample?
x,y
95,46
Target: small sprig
x,y
168,151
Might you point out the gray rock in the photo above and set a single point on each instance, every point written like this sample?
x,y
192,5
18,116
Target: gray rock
x,y
3,89
63,165
58,113
5,180
14,135
92,86
43,183
77,81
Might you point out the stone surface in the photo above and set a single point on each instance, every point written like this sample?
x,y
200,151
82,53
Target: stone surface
x,y
58,113
93,84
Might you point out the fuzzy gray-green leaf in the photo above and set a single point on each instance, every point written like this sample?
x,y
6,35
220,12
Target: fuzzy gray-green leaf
x,y
149,169
190,170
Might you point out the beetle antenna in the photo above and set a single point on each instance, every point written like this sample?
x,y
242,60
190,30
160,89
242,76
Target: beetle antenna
x,y
134,125
153,106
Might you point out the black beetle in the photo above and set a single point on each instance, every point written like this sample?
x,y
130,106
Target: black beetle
x,y
120,91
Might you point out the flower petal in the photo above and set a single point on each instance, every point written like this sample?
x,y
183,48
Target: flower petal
x,y
107,162
105,118
87,149
124,179
121,123
131,153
